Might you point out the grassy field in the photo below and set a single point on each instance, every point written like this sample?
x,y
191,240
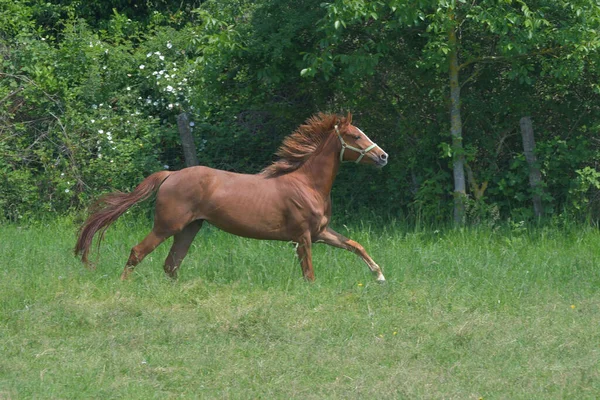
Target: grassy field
x,y
507,314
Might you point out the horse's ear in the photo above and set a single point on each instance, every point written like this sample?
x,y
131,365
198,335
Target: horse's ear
x,y
345,121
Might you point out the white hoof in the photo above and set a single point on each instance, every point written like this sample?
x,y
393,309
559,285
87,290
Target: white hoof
x,y
381,278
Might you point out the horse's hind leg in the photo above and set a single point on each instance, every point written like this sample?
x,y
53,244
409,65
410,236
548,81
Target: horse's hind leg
x,y
141,250
180,247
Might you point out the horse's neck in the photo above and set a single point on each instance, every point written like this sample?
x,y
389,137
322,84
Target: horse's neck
x,y
322,167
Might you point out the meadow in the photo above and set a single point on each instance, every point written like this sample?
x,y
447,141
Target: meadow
x,y
506,313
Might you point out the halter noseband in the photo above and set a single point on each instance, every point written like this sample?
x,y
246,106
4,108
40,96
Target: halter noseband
x,y
347,146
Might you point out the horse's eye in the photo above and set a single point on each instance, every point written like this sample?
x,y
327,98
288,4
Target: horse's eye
x,y
356,137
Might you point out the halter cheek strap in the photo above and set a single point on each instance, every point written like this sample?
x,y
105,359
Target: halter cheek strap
x,y
347,146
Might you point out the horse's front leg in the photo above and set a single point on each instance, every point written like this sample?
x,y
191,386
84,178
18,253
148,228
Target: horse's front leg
x,y
303,249
333,238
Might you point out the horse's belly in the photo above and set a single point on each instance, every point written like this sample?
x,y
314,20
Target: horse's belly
x,y
250,230
249,218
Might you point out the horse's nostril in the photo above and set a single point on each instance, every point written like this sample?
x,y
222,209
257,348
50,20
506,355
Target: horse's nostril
x,y
383,156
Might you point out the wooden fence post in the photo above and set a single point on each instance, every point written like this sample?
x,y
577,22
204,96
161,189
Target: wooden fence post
x,y
187,140
535,176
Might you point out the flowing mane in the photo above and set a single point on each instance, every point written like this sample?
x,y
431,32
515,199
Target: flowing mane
x,y
302,143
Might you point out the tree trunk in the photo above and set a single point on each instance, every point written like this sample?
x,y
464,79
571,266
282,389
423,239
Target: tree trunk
x,y
458,157
187,140
535,176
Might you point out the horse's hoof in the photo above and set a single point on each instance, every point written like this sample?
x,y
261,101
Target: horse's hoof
x,y
90,266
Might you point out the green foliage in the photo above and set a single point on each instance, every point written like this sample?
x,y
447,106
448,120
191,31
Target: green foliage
x,y
515,58
90,92
584,193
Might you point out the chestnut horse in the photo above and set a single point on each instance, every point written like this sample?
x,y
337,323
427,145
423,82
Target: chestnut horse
x,y
289,200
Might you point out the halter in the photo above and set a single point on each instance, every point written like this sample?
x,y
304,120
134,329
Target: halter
x,y
347,146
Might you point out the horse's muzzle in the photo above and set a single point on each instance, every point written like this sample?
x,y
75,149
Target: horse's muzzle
x,y
382,160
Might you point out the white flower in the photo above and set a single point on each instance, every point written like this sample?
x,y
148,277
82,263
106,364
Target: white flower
x,y
192,123
142,66
170,106
169,88
161,58
99,155
157,53
161,72
148,55
92,121
169,45
63,174
100,131
128,88
66,190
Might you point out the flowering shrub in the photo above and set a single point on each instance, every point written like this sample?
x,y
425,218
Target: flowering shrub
x,y
76,125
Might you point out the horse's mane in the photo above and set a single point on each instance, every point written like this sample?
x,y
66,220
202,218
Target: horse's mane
x,y
302,143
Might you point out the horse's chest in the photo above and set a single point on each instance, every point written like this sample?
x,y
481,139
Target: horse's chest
x,y
323,223
314,212
320,219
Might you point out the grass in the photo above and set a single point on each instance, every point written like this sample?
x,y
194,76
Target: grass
x,y
466,314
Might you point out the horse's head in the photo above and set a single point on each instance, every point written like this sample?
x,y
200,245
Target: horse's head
x,y
362,149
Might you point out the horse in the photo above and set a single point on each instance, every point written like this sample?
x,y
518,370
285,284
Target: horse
x,y
288,201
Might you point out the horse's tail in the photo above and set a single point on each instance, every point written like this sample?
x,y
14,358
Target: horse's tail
x,y
111,206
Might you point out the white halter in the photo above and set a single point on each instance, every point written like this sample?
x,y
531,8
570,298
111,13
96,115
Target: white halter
x,y
347,146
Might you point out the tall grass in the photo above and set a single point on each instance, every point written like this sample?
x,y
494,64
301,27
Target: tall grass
x,y
508,313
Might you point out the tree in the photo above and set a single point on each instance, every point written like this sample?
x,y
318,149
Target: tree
x,y
462,39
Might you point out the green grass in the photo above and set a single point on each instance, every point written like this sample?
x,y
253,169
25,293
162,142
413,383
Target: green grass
x,y
465,314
